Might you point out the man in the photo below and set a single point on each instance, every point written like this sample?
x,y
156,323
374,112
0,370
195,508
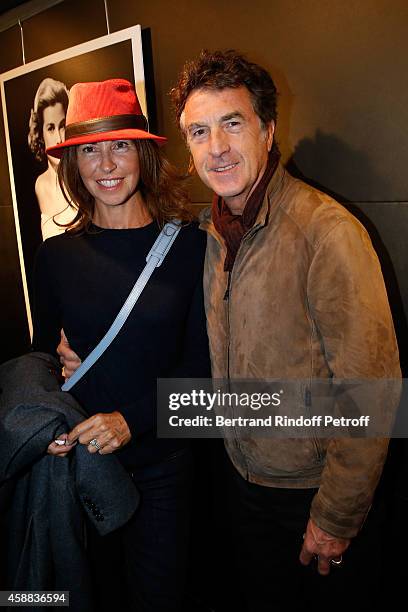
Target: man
x,y
293,290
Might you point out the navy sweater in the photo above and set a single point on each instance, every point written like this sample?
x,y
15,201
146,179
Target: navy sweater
x,y
81,283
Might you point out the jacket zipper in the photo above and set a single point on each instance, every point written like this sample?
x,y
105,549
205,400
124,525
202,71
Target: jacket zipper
x,y
228,293
227,299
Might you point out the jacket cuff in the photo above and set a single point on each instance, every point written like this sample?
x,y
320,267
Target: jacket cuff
x,y
336,523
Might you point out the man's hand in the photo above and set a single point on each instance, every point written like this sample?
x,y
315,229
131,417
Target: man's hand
x,y
323,545
108,431
68,357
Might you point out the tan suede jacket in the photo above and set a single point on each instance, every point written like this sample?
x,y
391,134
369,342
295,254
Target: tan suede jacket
x,y
306,300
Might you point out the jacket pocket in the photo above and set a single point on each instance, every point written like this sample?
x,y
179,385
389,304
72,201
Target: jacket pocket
x,y
281,458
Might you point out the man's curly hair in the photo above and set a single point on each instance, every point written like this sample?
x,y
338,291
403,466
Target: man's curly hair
x,y
221,69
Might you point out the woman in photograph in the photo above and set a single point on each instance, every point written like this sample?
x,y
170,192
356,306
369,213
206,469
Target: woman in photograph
x,y
46,129
125,191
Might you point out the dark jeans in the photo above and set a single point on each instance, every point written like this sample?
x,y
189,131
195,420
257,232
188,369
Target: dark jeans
x,y
141,567
267,525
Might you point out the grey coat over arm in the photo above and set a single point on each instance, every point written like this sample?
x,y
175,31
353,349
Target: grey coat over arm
x,y
49,496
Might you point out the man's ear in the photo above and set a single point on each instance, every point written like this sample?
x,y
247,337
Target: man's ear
x,y
270,131
182,125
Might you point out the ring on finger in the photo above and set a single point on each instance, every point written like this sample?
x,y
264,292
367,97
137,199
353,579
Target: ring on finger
x,y
94,442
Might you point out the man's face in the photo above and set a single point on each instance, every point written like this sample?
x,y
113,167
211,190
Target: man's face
x,y
227,142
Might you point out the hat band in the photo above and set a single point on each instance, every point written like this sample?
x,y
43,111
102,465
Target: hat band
x,y
105,124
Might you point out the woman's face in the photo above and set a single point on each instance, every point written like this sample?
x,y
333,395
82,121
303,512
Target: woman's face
x,y
110,171
53,125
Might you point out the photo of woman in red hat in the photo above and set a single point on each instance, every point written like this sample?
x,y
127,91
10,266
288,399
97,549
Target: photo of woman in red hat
x,y
114,172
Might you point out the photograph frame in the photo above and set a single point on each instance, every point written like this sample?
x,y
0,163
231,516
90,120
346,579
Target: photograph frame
x,y
123,55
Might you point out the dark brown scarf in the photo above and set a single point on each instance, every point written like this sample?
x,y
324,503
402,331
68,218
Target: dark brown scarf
x,y
233,227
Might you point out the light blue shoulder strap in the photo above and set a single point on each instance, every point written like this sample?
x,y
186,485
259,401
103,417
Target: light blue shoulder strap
x,y
154,259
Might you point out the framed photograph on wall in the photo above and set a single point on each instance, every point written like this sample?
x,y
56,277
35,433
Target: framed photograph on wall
x,y
35,99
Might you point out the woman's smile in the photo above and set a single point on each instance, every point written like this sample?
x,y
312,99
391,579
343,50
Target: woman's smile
x,y
110,183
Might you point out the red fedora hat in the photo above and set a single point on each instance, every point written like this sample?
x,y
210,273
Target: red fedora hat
x,y
105,110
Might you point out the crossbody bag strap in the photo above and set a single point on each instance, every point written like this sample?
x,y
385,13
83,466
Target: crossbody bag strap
x,y
154,259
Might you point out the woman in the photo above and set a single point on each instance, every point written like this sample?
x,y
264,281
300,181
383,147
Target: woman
x,y
125,190
47,128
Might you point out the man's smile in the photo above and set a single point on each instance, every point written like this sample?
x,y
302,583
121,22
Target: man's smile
x,y
224,168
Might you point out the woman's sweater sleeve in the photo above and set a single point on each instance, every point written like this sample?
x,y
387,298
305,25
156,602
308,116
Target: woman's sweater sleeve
x,y
195,359
47,314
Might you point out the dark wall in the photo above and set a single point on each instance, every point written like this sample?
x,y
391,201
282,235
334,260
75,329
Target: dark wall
x,y
340,68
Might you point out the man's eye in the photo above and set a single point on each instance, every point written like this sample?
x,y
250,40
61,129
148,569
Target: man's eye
x,y
198,132
233,124
50,128
88,149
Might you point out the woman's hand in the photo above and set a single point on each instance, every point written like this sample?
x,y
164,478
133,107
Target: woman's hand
x,y
107,431
68,358
60,450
